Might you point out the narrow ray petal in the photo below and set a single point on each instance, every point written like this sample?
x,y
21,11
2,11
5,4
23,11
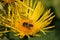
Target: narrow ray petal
x,y
37,12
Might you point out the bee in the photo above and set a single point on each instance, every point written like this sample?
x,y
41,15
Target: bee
x,y
28,25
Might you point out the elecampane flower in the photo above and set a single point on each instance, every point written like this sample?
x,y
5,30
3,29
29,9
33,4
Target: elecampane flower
x,y
27,20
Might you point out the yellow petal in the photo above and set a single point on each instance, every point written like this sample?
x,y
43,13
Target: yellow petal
x,y
9,10
49,27
19,2
45,16
43,31
37,12
46,22
35,4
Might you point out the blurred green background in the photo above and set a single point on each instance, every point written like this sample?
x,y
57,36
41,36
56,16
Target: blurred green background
x,y
54,5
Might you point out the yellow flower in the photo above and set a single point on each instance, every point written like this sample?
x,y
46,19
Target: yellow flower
x,y
29,21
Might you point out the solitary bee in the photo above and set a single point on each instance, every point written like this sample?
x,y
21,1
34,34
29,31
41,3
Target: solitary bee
x,y
28,25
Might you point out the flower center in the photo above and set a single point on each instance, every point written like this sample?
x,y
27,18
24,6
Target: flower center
x,y
28,25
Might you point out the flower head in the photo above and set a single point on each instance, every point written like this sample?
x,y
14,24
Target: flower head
x,y
28,20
